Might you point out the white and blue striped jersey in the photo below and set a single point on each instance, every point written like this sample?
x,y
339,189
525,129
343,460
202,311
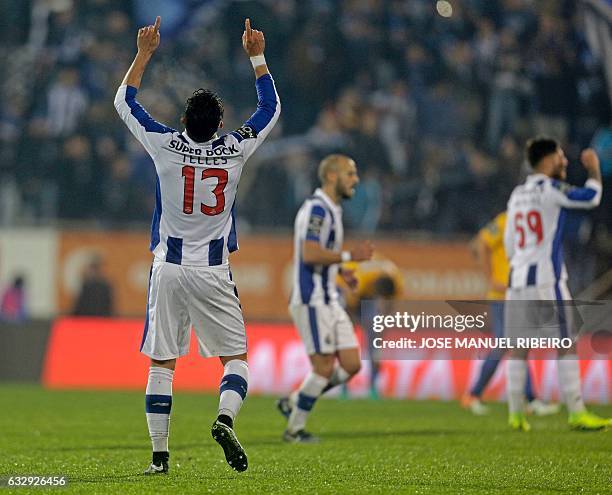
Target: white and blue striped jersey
x,y
534,229
193,221
319,219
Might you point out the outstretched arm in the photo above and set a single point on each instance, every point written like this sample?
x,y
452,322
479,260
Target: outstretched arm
x,y
147,42
586,197
140,123
254,44
259,125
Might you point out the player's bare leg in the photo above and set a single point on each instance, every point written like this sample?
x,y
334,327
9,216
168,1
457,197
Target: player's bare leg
x,y
233,390
337,369
348,365
158,402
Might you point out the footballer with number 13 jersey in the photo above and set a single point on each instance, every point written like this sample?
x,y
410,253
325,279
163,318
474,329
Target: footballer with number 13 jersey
x,y
193,232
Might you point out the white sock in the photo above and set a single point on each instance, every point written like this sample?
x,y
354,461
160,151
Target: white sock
x,y
517,374
158,402
308,393
338,377
234,386
568,368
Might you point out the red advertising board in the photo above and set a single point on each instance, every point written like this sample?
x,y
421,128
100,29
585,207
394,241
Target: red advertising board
x,y
100,353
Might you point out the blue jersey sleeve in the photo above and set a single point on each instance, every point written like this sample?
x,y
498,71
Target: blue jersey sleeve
x,y
258,126
315,223
144,128
571,197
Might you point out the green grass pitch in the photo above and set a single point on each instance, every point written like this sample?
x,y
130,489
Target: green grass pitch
x,y
99,440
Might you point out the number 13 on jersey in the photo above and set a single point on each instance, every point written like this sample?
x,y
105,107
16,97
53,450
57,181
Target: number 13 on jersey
x,y
189,188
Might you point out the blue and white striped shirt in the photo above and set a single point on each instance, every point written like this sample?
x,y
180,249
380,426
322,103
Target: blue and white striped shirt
x,y
534,228
193,222
319,219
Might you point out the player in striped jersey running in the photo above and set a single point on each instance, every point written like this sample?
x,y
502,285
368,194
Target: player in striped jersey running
x,y
325,327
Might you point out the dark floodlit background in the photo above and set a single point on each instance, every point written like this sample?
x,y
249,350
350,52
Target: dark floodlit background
x,y
434,110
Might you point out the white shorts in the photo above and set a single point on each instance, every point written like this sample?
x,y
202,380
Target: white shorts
x,y
539,311
324,328
202,296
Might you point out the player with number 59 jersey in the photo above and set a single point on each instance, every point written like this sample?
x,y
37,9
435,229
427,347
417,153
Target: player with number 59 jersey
x,y
537,211
538,302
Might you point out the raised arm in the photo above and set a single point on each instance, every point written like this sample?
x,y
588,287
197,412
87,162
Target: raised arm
x,y
254,44
147,130
147,42
259,125
588,196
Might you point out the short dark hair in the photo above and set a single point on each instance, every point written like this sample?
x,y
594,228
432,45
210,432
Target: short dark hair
x,y
538,148
384,287
203,114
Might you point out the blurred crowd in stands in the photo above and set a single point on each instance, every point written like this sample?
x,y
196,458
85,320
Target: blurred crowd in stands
x,y
434,110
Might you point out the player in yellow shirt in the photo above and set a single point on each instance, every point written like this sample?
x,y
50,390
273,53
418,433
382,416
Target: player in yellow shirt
x,y
378,280
488,246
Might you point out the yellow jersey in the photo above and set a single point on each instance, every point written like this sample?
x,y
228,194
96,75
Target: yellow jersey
x,y
367,273
492,235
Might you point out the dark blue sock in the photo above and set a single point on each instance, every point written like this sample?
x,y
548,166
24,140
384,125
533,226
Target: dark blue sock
x,y
486,373
529,392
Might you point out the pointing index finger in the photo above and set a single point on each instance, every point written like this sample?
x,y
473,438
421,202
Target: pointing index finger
x,y
157,23
247,28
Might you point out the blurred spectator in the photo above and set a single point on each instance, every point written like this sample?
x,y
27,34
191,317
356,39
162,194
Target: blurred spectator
x,y
366,205
13,301
602,143
508,84
366,147
120,199
554,69
397,124
66,103
96,295
79,175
